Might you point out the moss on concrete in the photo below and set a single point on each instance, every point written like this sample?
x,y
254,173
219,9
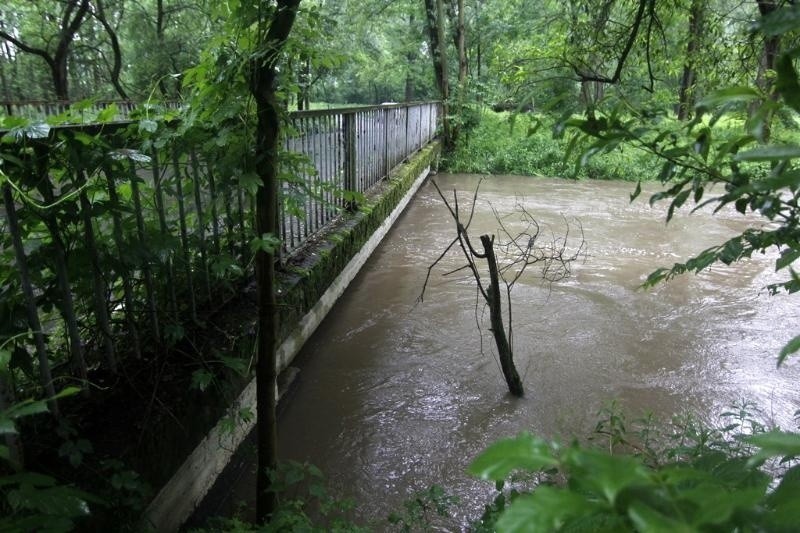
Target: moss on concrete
x,y
309,274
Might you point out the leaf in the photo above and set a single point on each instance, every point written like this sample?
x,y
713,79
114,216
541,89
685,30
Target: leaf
x,y
126,153
148,125
727,96
679,200
108,114
607,474
545,510
26,408
7,426
788,256
779,21
35,130
201,379
791,347
769,153
648,520
266,243
786,83
524,452
783,501
5,359
777,443
637,191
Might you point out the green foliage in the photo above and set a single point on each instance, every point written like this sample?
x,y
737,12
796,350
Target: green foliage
x,y
304,504
420,511
732,147
524,145
36,502
698,479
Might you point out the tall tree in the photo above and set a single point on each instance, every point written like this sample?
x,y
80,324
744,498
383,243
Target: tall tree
x,y
272,36
686,94
435,24
72,17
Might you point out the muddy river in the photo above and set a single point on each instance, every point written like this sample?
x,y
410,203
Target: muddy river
x,y
396,395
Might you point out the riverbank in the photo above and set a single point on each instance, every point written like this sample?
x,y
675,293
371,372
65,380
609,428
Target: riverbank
x,y
523,145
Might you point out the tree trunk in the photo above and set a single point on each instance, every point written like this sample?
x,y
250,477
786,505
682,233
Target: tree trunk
x,y
262,84
496,319
116,67
769,53
689,78
411,56
461,45
434,17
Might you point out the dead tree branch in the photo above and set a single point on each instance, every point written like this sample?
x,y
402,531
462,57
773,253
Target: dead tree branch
x,y
507,259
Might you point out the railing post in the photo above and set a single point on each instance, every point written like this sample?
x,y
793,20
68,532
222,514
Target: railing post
x,y
408,114
386,163
349,127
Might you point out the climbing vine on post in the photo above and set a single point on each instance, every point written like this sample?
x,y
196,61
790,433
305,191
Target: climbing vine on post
x,y
507,259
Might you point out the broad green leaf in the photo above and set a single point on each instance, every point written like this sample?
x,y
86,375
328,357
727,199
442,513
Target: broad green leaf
x,y
148,125
27,408
547,509
791,347
648,520
777,443
7,425
780,21
729,95
607,474
716,505
524,452
266,243
788,256
201,379
769,153
37,130
107,114
786,83
783,501
5,358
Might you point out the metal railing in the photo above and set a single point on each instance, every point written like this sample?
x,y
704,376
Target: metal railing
x,y
349,150
80,111
160,226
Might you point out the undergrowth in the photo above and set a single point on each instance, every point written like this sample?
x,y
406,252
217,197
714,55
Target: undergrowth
x,y
523,144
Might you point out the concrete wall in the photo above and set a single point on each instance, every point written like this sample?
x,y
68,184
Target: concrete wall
x,y
312,282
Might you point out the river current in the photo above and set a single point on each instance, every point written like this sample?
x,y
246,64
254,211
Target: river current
x,y
395,395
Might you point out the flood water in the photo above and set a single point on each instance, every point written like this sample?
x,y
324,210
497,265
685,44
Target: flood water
x,y
395,395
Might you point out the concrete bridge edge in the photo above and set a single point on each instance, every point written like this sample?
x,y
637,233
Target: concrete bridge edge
x,y
180,496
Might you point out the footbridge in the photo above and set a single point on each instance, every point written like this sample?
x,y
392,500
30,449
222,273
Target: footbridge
x,y
130,227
